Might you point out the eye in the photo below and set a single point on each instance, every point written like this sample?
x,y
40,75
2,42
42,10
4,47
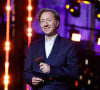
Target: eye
x,y
49,20
41,21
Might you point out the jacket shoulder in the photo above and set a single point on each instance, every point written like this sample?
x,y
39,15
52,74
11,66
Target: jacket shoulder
x,y
67,42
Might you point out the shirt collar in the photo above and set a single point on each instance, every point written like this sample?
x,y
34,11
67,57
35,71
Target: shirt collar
x,y
53,38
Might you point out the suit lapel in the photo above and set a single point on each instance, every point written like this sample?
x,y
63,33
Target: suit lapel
x,y
54,50
42,49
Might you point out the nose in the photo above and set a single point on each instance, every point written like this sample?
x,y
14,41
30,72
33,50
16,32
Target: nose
x,y
46,23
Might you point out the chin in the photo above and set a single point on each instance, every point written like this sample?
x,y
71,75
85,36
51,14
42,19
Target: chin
x,y
48,34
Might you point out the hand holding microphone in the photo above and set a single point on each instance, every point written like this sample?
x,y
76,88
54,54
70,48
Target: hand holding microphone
x,y
45,68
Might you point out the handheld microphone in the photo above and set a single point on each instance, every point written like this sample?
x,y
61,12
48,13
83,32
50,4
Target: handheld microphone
x,y
39,60
44,76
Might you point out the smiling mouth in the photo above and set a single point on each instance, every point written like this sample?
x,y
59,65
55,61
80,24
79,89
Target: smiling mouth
x,y
46,29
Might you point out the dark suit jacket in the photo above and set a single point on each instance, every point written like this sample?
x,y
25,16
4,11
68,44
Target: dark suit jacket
x,y
63,63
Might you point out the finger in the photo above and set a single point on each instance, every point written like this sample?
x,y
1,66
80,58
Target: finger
x,y
43,70
41,64
36,79
35,83
42,67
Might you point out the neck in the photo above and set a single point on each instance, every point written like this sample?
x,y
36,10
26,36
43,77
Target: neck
x,y
48,38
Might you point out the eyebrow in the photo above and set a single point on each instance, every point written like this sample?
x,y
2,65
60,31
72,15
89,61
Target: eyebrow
x,y
46,18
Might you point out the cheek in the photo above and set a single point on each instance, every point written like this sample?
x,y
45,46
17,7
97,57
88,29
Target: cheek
x,y
53,25
41,26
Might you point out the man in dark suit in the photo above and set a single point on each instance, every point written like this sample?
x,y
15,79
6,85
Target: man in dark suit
x,y
60,61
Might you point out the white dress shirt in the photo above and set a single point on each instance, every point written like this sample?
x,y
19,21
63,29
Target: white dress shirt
x,y
49,45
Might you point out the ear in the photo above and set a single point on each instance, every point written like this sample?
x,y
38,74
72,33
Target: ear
x,y
57,23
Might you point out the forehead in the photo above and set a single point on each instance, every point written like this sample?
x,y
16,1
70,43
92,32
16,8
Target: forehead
x,y
45,15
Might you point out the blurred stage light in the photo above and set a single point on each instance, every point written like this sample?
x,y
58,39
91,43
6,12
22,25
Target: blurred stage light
x,y
29,29
75,9
8,8
6,77
97,11
72,10
98,38
7,46
75,36
86,2
91,74
6,64
6,82
67,6
86,61
98,42
89,81
30,8
81,77
98,15
29,34
79,1
89,1
29,19
76,83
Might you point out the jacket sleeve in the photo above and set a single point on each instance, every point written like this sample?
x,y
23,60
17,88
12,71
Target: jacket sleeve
x,y
28,68
71,68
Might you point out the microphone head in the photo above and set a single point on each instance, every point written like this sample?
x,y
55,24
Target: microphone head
x,y
39,60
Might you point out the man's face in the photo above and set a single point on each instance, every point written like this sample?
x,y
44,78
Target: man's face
x,y
48,23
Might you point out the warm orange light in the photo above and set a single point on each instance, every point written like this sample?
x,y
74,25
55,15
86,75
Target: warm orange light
x,y
6,82
81,77
29,30
98,41
29,7
6,88
76,83
29,34
29,18
76,37
98,15
79,1
7,48
6,64
67,6
8,8
86,61
7,43
91,74
89,81
72,10
6,77
86,2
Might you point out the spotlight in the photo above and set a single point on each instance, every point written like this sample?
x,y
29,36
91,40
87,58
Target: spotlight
x,y
29,19
75,36
75,9
29,7
8,8
89,1
98,38
97,11
67,6
98,42
76,83
86,2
